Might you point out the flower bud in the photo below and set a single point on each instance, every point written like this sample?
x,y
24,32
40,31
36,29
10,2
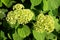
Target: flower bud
x,y
25,16
44,23
11,17
18,6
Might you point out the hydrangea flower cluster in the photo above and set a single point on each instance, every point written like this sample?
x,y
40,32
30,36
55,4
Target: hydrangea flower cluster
x,y
19,15
18,6
25,16
44,23
10,17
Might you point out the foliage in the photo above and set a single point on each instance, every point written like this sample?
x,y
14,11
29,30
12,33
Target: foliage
x,y
29,19
7,3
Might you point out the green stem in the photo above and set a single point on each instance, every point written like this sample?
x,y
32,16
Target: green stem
x,y
16,26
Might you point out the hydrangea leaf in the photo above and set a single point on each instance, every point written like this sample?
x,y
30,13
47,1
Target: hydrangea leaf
x,y
53,12
23,31
7,3
23,1
38,35
50,13
57,25
51,36
45,6
4,10
33,17
2,36
48,4
0,3
16,36
14,25
2,13
35,2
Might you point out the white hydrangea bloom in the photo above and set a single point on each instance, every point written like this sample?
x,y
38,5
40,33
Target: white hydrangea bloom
x,y
18,6
25,16
11,17
44,23
21,16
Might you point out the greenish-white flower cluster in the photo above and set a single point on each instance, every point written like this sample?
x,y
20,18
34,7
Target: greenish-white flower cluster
x,y
44,23
19,15
10,17
18,6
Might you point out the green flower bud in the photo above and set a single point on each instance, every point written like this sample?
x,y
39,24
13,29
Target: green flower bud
x,y
20,16
25,16
44,23
11,17
18,6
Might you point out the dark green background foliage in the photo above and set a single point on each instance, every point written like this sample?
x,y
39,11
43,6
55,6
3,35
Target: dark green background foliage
x,y
26,32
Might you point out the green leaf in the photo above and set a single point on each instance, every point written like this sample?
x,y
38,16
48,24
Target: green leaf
x,y
16,36
7,3
2,36
38,35
35,2
0,3
53,12
51,36
45,5
50,13
57,25
2,13
50,4
33,17
23,1
14,25
24,31
4,10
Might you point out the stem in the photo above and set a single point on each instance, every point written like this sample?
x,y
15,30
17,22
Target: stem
x,y
16,26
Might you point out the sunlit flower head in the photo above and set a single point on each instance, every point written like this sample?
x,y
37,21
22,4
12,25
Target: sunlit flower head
x,y
44,23
18,6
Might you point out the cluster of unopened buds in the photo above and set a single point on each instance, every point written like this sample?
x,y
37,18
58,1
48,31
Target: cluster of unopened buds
x,y
44,23
23,16
19,15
